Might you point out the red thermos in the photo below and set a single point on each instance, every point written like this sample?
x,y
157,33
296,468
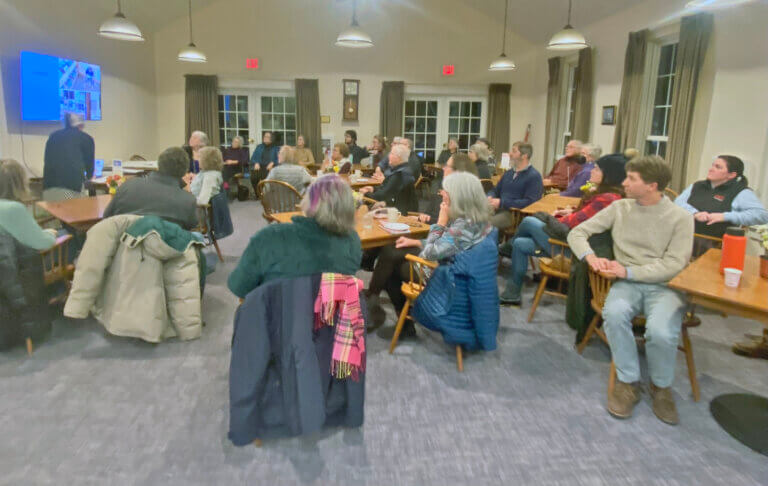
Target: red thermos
x,y
734,249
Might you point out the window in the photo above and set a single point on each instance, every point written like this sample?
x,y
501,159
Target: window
x,y
233,118
569,112
420,125
278,115
464,118
560,114
658,135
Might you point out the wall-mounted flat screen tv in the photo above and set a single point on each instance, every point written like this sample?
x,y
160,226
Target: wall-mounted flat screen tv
x,y
52,86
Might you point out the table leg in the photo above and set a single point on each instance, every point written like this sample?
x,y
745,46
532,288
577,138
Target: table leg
x,y
745,417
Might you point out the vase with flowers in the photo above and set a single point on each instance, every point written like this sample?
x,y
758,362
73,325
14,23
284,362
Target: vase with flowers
x,y
113,182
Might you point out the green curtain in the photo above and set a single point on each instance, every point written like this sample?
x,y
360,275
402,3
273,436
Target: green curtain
x,y
391,109
553,106
308,115
628,130
201,103
695,32
582,99
498,116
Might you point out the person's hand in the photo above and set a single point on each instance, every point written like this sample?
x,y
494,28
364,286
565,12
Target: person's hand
x,y
445,210
715,218
404,242
378,205
256,166
188,177
701,216
617,269
495,202
546,182
52,232
271,164
424,218
562,212
597,264
365,190
231,162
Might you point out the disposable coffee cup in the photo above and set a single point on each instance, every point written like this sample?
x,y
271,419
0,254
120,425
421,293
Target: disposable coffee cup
x,y
392,215
732,277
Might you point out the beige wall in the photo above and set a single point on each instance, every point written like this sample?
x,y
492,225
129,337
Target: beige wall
x,y
128,102
297,42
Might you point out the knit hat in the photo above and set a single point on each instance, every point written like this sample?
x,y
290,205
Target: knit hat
x,y
613,169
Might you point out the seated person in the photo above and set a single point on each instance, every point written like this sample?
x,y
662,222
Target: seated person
x,y
722,199
414,161
479,154
533,233
452,147
263,158
652,242
397,190
160,193
391,259
355,152
517,188
378,150
197,140
235,159
304,155
339,161
462,223
482,141
22,298
324,240
590,153
287,170
566,168
207,183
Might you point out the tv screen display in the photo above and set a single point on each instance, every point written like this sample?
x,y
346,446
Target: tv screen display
x,y
52,86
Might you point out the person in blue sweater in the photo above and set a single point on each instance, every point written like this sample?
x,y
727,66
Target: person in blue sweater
x,y
517,188
264,157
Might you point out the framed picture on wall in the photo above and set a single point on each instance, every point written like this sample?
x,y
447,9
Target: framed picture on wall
x,y
609,115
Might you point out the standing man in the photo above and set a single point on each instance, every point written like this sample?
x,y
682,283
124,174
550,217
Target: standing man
x,y
517,188
264,157
652,242
68,160
356,153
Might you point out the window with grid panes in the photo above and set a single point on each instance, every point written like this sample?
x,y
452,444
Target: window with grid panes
x,y
233,118
278,115
569,111
420,125
464,122
656,142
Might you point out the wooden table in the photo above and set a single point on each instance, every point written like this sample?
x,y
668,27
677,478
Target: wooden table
x,y
360,182
551,202
743,415
374,237
80,213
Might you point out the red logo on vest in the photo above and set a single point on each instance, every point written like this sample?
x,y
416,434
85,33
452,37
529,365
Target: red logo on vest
x,y
719,197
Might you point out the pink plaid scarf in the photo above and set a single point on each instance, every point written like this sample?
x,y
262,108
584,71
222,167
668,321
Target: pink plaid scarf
x,y
339,297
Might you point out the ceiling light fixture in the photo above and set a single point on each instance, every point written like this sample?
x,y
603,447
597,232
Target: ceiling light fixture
x,y
567,39
118,27
191,53
354,36
503,63
713,4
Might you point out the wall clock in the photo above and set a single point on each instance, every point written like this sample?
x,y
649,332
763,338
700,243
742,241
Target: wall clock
x,y
351,97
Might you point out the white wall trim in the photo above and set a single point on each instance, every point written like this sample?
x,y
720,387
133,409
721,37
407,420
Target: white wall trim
x,y
259,84
442,90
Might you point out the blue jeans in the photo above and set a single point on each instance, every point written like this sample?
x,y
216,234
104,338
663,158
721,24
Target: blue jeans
x,y
663,309
530,235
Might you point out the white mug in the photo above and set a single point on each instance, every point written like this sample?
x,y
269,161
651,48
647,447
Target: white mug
x,y
392,215
732,277
358,173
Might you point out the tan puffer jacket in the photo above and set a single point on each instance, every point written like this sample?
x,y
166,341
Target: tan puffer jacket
x,y
139,288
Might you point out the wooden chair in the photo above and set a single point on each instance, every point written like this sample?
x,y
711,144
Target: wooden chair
x,y
557,266
601,285
411,290
277,197
702,243
56,268
206,228
670,193
42,217
488,185
517,218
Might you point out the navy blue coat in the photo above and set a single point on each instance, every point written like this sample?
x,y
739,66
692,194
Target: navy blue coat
x,y
279,378
222,219
518,191
68,159
461,299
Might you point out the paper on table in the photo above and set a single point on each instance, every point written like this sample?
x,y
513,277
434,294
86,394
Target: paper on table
x,y
504,164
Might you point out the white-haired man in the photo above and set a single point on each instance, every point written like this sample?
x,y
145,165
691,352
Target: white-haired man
x,y
397,189
197,140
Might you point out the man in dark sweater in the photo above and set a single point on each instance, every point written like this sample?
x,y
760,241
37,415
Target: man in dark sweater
x,y
414,161
356,152
160,193
69,155
517,188
397,190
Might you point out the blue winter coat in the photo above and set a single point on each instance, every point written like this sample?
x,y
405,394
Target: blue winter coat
x,y
256,156
461,299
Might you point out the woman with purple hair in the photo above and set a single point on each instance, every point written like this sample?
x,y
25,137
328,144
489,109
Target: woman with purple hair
x,y
322,241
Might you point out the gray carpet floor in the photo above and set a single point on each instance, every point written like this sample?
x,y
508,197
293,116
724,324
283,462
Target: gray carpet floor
x,y
89,408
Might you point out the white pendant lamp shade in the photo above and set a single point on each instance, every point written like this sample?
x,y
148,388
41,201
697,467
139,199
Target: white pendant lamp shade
x,y
191,53
503,63
568,39
354,36
118,27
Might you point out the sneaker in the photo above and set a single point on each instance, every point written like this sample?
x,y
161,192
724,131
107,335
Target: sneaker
x,y
511,295
408,332
664,404
623,399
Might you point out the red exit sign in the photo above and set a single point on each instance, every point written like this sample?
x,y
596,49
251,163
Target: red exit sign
x,y
447,69
252,63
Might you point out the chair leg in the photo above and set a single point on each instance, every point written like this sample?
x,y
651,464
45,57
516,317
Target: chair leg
x,y
611,378
688,350
218,251
459,359
29,346
537,297
588,334
399,327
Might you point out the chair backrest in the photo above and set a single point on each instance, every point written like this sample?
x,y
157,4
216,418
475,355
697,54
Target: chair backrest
x,y
600,285
56,261
488,185
277,196
137,157
670,193
702,243
419,270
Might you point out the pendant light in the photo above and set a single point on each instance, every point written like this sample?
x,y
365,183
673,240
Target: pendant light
x,y
567,39
118,27
503,63
191,53
354,36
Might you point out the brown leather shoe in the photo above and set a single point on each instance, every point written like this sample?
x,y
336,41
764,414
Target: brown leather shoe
x,y
623,399
664,404
755,348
